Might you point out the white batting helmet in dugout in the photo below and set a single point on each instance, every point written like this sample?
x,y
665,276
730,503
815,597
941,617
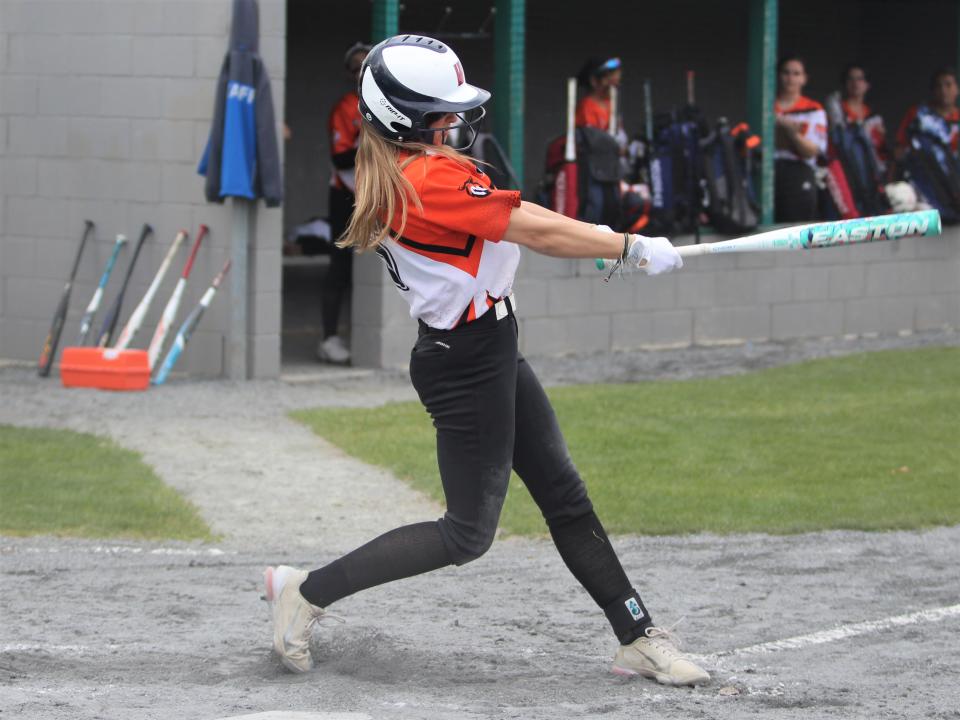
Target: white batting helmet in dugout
x,y
407,80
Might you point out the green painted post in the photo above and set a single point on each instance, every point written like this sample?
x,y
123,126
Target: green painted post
x,y
761,92
508,83
386,19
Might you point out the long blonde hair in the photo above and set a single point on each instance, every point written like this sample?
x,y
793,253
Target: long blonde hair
x,y
381,186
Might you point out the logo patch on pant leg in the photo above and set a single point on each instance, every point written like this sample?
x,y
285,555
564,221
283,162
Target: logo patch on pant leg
x,y
633,607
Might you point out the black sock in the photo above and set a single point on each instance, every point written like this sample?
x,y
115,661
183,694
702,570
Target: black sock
x,y
585,548
404,552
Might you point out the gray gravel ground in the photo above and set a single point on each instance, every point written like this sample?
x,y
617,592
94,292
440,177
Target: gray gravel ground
x,y
162,630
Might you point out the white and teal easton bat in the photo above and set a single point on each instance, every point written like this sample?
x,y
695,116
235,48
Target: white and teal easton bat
x,y
186,330
820,235
86,321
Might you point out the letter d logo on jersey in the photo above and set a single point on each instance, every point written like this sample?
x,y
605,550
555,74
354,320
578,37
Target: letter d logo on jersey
x,y
475,189
633,607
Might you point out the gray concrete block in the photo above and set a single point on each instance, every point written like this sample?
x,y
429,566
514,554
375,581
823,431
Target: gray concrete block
x,y
615,296
736,287
936,312
4,142
846,281
811,283
37,135
273,51
131,97
809,319
372,304
217,218
147,17
187,99
881,315
18,176
163,56
531,295
264,356
589,333
266,313
365,345
68,95
696,289
731,323
774,285
3,44
756,260
710,263
672,327
267,275
21,339
55,257
544,336
19,257
32,298
397,341
631,330
163,140
654,293
204,354
368,269
101,54
34,216
100,138
943,277
828,256
541,266
139,181
37,53
273,17
568,296
18,94
208,53
58,179
883,251
110,217
180,183
883,278
935,248
268,227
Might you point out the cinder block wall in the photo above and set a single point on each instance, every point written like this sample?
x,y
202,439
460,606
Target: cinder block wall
x,y
105,109
565,307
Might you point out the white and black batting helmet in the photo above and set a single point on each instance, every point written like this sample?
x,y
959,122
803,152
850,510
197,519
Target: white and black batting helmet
x,y
407,80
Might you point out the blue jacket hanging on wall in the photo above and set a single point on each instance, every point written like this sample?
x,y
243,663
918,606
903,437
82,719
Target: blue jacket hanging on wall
x,y
242,158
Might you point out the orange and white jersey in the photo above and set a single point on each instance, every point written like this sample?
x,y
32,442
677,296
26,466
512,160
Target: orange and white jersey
x,y
592,112
449,264
344,127
812,119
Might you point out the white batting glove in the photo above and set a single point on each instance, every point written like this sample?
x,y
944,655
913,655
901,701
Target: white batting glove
x,y
652,255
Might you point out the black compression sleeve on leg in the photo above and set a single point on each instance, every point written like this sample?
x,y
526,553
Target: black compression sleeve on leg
x,y
404,552
585,548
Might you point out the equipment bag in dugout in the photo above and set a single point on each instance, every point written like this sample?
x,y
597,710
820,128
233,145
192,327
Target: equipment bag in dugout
x,y
850,145
728,197
932,168
598,176
674,175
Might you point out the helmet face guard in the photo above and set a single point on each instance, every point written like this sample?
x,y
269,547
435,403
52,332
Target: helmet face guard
x,y
407,81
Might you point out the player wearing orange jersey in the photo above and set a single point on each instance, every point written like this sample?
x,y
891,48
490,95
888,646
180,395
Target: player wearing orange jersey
x,y
597,77
344,133
451,243
855,110
800,136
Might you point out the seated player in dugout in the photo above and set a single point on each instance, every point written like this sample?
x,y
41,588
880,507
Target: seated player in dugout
x,y
854,84
800,138
344,128
941,116
596,79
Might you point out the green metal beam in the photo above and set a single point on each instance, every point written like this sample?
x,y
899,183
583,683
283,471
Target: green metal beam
x,y
386,19
761,92
508,83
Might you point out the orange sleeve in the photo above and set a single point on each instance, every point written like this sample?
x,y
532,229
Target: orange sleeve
x,y
344,124
590,113
455,198
902,139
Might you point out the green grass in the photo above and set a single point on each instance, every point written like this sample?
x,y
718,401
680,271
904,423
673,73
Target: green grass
x,y
866,442
66,483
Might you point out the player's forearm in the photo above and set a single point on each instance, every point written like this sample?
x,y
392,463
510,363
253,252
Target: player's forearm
x,y
550,233
805,148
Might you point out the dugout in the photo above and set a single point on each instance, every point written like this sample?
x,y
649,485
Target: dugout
x,y
105,109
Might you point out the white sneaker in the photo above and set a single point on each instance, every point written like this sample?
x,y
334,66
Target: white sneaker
x,y
333,350
656,656
293,617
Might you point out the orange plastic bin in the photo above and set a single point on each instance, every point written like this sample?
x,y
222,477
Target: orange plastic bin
x,y
105,368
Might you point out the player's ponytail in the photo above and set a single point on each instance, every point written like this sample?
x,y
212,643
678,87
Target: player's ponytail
x,y
382,190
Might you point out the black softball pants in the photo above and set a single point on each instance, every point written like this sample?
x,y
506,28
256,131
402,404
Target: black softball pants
x,y
338,280
491,415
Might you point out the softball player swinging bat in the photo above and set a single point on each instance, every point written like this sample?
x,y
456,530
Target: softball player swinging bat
x,y
451,243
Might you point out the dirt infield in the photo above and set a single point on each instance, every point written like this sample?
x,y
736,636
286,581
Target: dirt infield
x,y
837,624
